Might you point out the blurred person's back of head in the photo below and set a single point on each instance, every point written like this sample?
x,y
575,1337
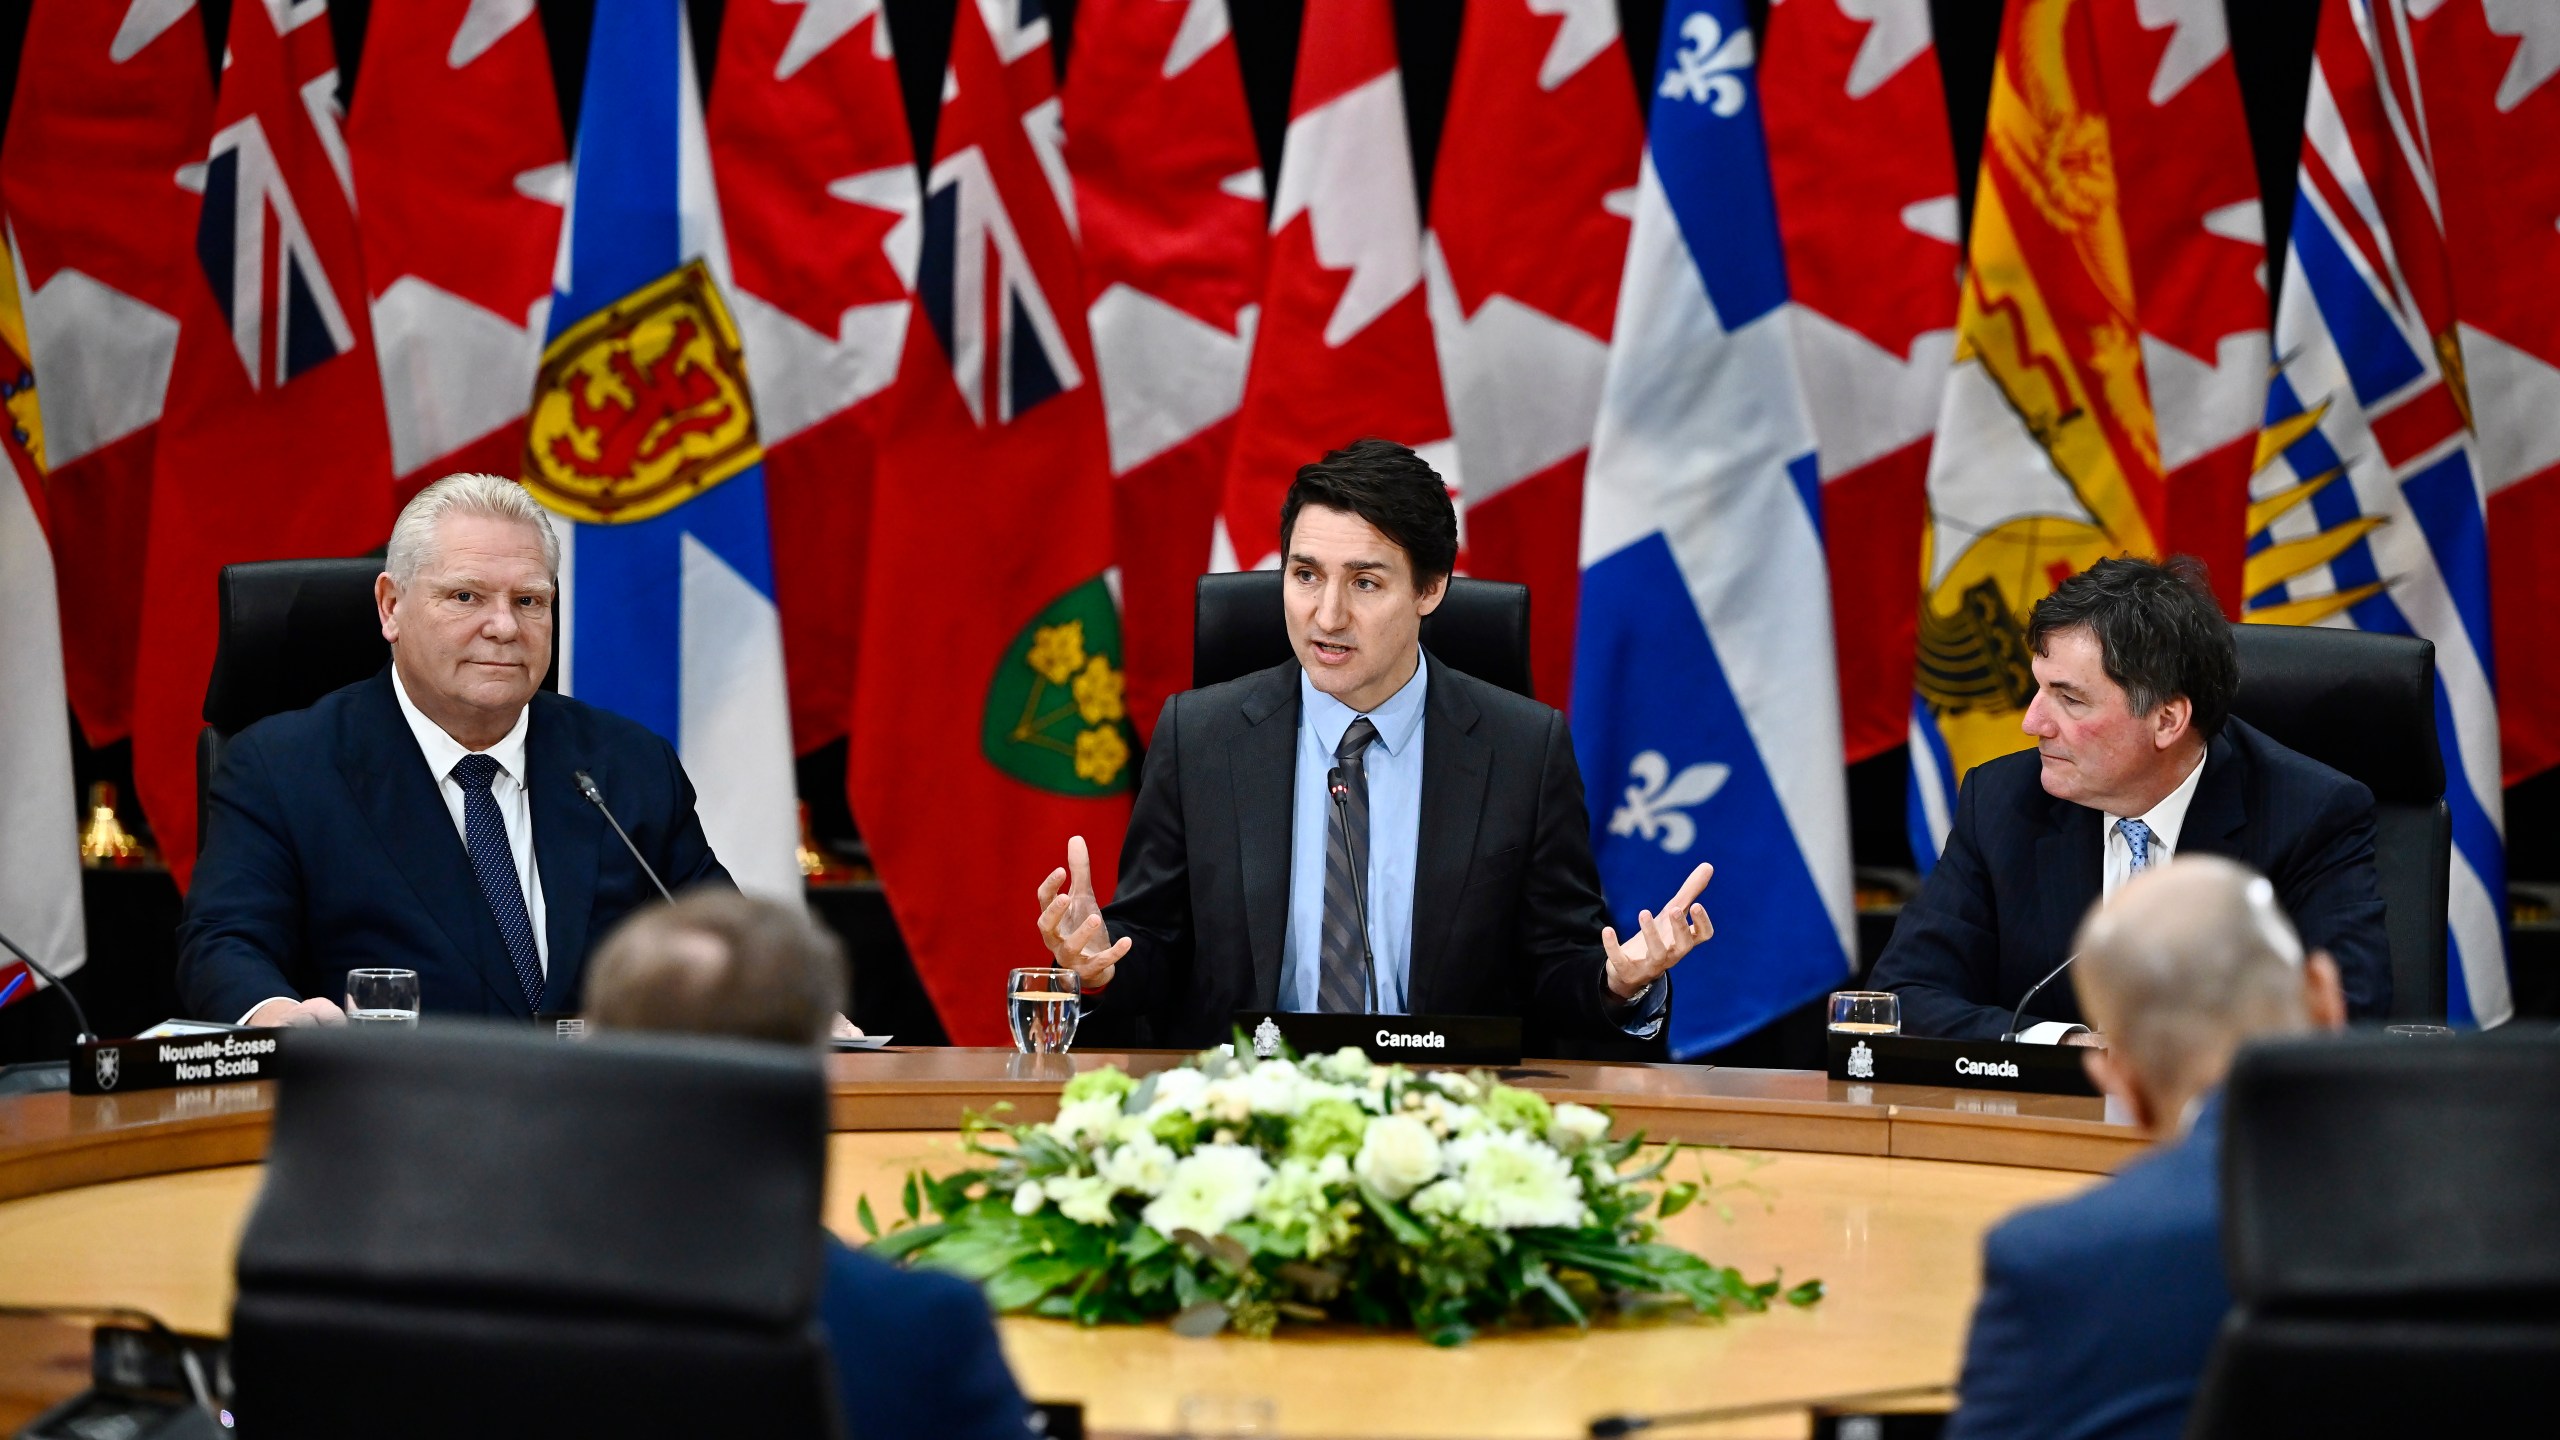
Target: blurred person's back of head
x,y
716,962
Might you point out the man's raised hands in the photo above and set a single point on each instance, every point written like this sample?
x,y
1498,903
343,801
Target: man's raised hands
x,y
1658,941
1071,923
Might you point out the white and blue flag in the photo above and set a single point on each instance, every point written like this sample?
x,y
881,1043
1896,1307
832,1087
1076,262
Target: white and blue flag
x,y
643,434
1706,709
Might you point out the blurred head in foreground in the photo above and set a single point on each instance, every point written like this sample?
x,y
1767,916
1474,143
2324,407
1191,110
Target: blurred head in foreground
x,y
2185,965
716,962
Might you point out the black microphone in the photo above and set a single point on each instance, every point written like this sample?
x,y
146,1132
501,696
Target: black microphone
x,y
595,797
2020,1013
80,1016
1341,789
1612,1425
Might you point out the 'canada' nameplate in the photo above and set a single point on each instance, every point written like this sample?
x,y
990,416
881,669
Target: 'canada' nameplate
x,y
1440,1040
113,1067
1966,1064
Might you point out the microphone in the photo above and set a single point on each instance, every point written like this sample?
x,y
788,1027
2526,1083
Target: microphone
x,y
595,797
1341,791
78,1015
1612,1425
2020,1013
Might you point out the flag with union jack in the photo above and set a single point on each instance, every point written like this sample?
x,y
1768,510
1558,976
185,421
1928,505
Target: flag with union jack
x,y
2367,508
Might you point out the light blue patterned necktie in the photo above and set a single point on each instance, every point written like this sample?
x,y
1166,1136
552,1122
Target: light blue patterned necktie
x,y
484,834
2137,838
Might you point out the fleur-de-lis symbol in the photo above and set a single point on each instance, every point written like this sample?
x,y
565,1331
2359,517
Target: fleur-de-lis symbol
x,y
1703,70
1656,807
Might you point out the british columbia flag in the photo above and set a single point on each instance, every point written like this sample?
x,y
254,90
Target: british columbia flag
x,y
2367,502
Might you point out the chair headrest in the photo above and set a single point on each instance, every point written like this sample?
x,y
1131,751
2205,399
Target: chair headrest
x,y
1480,628
2361,703
2366,1168
291,631
478,1163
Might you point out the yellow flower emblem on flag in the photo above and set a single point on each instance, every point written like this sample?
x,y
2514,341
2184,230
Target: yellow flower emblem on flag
x,y
1057,712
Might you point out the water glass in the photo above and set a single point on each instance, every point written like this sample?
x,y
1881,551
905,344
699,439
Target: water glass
x,y
1044,1005
382,997
2418,1032
1866,1012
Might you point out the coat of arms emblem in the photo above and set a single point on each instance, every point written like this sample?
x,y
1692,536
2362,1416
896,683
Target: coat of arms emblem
x,y
1862,1062
110,1063
1266,1039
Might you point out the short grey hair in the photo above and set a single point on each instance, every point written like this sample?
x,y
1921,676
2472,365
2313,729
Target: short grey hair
x,y
491,497
2189,962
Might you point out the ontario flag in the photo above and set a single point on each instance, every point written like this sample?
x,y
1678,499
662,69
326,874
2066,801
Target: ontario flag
x,y
2368,482
1535,182
818,181
2195,236
1702,685
1865,176
642,436
40,886
1169,191
2046,459
1344,350
990,717
113,108
456,148
2490,99
272,445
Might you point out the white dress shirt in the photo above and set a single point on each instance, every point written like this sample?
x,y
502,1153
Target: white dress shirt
x,y
2115,866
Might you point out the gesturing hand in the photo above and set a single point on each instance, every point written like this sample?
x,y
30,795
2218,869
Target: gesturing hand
x,y
1071,923
1659,940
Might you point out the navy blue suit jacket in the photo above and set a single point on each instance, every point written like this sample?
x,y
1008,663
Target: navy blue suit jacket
x,y
327,847
916,1354
2021,870
2097,1313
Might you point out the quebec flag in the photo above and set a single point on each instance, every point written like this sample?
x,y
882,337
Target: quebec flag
x,y
643,434
1706,709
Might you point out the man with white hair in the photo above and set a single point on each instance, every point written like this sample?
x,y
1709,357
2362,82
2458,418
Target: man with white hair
x,y
430,818
2097,1313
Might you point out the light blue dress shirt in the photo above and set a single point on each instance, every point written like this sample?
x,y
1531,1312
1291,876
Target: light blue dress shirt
x,y
1394,764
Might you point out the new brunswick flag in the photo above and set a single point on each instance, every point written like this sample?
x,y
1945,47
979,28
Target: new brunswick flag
x,y
2047,459
989,715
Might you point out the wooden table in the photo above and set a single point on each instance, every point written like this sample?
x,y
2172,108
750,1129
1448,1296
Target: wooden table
x,y
1883,1191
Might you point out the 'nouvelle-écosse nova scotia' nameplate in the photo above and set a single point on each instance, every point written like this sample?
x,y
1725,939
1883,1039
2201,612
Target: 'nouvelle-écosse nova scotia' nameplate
x,y
1432,1040
159,1062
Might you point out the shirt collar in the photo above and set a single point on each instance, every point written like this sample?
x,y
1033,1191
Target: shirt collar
x,y
443,751
2169,817
1397,717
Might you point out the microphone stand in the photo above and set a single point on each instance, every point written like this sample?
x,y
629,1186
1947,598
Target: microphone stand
x,y
2020,1013
1341,791
595,797
78,1015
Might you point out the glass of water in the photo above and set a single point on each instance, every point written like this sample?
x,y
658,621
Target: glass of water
x,y
382,997
1044,1005
1866,1012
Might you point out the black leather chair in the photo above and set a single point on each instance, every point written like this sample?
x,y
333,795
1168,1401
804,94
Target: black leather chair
x,y
2365,704
2392,1235
473,1230
288,632
1481,627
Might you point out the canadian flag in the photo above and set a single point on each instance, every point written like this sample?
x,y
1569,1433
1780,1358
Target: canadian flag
x,y
2194,234
1865,180
818,186
1529,221
274,445
2492,106
1168,187
113,107
1344,349
455,144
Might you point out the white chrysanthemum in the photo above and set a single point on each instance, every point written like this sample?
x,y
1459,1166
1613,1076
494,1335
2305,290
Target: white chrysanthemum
x,y
1576,1128
1349,1065
1175,1090
1085,1119
1457,1086
1210,1189
1512,1182
1143,1166
1398,1154
1085,1199
1028,1198
1274,1088
1227,1101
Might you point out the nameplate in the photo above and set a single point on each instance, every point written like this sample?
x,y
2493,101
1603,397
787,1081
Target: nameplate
x,y
114,1067
1964,1064
1421,1040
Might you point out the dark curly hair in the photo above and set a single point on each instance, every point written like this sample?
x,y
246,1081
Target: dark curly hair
x,y
2160,633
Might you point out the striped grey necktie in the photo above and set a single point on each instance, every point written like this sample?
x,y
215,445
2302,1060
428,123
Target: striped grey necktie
x,y
1342,978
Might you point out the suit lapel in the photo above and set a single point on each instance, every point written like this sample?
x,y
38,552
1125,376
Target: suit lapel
x,y
567,837
2070,860
1456,763
1263,765
2218,810
391,784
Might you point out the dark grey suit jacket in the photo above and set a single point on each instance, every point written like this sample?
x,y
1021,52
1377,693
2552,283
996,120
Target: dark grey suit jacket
x,y
1506,904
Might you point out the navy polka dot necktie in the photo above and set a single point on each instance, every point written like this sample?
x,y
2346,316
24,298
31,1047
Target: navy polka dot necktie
x,y
494,861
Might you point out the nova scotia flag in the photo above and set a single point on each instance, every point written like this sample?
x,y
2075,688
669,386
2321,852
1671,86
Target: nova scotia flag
x,y
1706,711
643,435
